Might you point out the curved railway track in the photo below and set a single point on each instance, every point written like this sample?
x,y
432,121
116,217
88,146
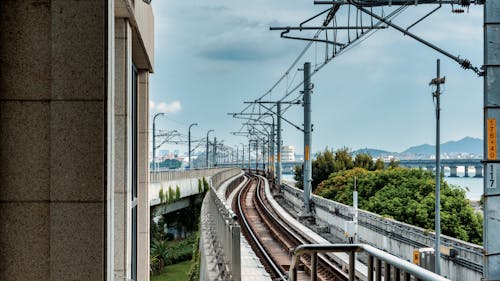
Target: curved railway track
x,y
272,239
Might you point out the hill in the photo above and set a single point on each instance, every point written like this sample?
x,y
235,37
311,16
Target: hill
x,y
465,145
375,153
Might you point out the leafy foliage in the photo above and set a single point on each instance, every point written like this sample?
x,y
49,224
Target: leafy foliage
x,y
328,162
406,195
194,271
177,193
165,253
161,195
171,195
206,185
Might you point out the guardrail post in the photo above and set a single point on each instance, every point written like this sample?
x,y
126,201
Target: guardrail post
x,y
397,274
370,268
314,266
387,271
352,266
378,270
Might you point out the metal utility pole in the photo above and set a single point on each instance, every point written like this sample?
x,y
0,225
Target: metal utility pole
x,y
278,163
271,165
242,155
256,155
206,156
249,157
263,156
154,138
307,138
355,205
491,162
436,95
189,143
215,152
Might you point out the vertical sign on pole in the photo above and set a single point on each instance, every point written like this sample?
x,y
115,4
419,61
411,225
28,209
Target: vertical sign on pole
x,y
491,243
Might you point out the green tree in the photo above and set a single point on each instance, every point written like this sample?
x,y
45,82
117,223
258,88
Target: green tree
x,y
298,176
322,167
365,161
177,193
206,185
407,195
200,186
325,163
171,195
161,195
379,164
343,159
393,164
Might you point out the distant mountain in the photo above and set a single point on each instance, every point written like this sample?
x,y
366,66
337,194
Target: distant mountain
x,y
375,153
465,145
421,149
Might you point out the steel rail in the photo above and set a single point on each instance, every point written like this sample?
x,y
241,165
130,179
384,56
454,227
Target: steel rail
x,y
287,230
268,258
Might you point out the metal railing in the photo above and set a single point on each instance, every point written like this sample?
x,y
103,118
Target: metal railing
x,y
394,268
469,255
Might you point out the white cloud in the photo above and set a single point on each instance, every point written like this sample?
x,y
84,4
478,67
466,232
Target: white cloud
x,y
166,107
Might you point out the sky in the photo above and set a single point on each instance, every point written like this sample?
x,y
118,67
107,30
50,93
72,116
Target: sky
x,y
212,56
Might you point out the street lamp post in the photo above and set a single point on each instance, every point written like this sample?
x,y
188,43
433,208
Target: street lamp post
x,y
206,162
189,143
154,138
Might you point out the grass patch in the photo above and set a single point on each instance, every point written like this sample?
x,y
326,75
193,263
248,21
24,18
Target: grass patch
x,y
177,272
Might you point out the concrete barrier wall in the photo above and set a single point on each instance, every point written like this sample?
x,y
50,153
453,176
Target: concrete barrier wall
x,y
186,180
164,176
395,237
220,233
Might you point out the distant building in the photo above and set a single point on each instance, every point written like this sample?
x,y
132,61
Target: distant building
x,y
288,153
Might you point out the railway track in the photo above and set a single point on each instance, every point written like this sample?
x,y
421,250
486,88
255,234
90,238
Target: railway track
x,y
272,239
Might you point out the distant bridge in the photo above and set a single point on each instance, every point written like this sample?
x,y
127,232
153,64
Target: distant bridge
x,y
429,164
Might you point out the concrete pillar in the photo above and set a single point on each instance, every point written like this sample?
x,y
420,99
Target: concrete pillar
x,y
122,158
466,168
54,179
143,176
479,171
453,171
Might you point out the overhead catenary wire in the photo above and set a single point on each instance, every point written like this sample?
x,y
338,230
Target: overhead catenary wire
x,y
353,43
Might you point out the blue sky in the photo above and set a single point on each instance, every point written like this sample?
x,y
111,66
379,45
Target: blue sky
x,y
210,57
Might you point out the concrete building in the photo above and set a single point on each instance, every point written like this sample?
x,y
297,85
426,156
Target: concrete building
x,y
74,84
288,153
